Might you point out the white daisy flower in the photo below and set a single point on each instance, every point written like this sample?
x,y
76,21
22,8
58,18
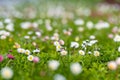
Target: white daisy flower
x,y
36,51
34,37
38,34
59,77
34,25
80,29
7,33
10,27
89,25
49,27
53,64
30,57
3,37
79,22
81,52
89,52
6,73
63,52
102,25
112,65
92,37
7,20
92,42
56,35
96,53
25,25
21,50
27,37
118,61
117,38
54,38
118,49
27,52
61,42
56,43
30,32
58,48
76,68
74,45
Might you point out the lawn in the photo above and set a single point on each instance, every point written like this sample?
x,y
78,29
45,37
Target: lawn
x,y
52,40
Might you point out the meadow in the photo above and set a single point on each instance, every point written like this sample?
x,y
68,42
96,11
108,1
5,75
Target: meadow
x,y
60,42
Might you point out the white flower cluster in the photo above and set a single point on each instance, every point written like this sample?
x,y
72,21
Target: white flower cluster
x,y
59,47
55,37
33,35
102,25
4,34
75,68
67,32
82,11
48,25
95,53
6,27
10,24
89,43
55,12
28,53
107,8
90,25
115,34
27,25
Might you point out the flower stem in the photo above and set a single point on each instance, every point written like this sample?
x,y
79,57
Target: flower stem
x,y
32,69
8,62
73,51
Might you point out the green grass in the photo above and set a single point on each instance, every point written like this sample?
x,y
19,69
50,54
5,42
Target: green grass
x,y
92,67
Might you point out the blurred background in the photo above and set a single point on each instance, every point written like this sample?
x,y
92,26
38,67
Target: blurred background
x,y
56,8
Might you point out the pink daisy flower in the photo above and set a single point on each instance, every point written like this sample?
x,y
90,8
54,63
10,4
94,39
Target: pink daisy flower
x,y
36,59
1,58
10,56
